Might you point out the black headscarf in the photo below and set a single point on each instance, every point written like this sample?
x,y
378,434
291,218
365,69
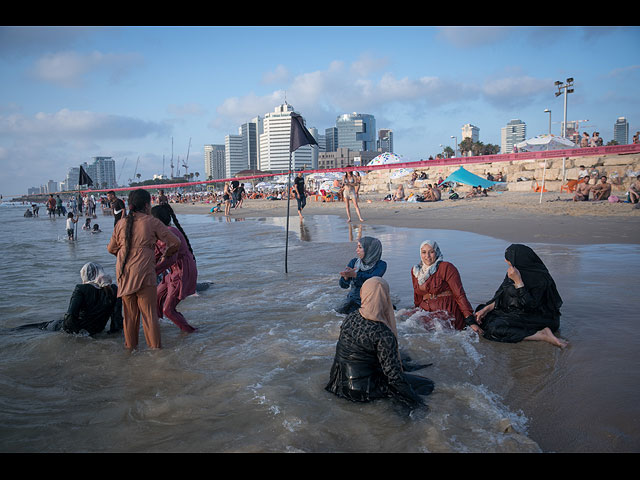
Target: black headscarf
x,y
535,276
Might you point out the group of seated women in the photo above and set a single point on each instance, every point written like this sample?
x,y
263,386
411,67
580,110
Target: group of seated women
x,y
367,362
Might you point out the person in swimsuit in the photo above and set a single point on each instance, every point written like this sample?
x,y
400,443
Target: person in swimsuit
x,y
349,194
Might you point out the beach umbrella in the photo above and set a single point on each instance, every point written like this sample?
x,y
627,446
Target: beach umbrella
x,y
545,142
466,177
402,172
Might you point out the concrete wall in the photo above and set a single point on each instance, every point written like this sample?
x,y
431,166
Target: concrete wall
x,y
618,169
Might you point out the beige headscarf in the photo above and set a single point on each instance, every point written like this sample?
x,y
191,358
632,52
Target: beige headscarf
x,y
376,303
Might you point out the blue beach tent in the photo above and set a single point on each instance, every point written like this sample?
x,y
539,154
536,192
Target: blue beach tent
x,y
464,176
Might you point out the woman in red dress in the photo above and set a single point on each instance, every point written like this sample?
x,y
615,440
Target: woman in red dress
x,y
437,286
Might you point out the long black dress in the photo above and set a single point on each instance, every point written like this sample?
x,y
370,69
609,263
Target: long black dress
x,y
367,365
521,312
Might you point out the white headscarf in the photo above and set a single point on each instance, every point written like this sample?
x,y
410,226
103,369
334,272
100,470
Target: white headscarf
x,y
423,272
92,273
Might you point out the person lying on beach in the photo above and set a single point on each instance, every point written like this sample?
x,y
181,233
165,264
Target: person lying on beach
x,y
526,306
634,190
365,265
602,190
472,193
582,191
93,303
437,286
367,364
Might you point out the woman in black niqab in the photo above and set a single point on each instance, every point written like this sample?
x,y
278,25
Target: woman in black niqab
x,y
527,304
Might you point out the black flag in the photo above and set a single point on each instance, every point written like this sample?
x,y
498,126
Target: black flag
x,y
299,134
84,179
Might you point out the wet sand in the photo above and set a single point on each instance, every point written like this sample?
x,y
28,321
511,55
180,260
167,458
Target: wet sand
x,y
511,216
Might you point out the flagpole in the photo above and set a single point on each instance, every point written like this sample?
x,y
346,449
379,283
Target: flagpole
x,y
286,248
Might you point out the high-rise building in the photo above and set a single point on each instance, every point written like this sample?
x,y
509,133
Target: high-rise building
x,y
385,141
621,131
472,132
356,131
214,162
73,174
331,139
234,155
514,132
274,143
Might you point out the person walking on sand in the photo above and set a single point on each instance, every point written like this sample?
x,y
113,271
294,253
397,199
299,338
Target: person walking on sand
x,y
133,242
349,194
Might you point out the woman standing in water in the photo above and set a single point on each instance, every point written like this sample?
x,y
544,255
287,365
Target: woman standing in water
x,y
180,282
365,265
527,304
437,285
367,361
133,242
349,193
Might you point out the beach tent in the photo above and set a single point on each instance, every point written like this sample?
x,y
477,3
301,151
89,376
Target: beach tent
x,y
464,176
545,142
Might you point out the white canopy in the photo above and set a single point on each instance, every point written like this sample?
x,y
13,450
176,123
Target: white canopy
x,y
545,142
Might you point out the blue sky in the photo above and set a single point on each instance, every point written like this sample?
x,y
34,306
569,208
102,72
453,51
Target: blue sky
x,y
71,93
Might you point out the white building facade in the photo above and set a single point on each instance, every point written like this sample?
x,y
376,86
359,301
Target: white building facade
x,y
274,143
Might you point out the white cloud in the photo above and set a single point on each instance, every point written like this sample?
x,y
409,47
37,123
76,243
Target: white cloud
x,y
68,69
77,125
280,74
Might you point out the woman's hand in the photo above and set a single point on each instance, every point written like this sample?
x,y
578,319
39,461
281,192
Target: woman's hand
x,y
476,329
480,314
514,274
348,273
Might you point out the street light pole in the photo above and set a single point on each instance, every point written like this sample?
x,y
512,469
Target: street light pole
x,y
568,88
455,153
546,110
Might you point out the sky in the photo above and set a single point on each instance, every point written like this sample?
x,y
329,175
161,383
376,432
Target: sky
x,y
69,94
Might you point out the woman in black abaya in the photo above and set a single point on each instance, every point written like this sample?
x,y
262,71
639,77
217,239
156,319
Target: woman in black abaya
x,y
525,307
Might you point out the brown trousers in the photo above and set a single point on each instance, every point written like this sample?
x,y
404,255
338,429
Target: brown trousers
x,y
142,303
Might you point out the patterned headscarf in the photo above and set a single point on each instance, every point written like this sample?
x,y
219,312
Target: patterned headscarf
x,y
423,272
372,252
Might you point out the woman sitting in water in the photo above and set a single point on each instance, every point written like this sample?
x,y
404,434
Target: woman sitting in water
x,y
367,361
93,302
365,265
527,304
437,286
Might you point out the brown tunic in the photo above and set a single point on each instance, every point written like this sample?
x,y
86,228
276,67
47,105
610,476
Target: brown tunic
x,y
446,280
139,271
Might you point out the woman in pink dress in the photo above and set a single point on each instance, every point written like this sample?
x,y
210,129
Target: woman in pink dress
x,y
180,281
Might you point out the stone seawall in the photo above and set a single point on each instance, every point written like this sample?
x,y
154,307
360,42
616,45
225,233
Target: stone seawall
x,y
520,175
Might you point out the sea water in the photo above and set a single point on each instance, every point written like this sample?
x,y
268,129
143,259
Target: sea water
x,y
252,378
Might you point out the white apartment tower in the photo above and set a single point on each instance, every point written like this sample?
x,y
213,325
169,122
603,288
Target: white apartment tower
x,y
274,143
214,162
472,132
515,132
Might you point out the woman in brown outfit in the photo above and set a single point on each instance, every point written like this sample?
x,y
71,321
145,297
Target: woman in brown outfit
x,y
133,242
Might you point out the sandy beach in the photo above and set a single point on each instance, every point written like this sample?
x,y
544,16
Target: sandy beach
x,y
511,216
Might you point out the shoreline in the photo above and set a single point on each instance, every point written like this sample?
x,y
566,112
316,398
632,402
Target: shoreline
x,y
515,217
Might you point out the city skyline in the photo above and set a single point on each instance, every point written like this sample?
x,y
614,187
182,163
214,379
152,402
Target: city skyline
x,y
73,93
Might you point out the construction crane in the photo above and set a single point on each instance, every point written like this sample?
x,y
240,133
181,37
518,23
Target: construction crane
x,y
171,157
186,168
121,170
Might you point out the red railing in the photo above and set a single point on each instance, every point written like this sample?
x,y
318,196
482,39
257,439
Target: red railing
x,y
507,157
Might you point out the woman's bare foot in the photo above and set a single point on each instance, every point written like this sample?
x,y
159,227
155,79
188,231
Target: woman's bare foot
x,y
546,335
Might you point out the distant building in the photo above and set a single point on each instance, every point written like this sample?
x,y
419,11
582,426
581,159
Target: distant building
x,y
357,131
52,186
274,143
385,141
214,162
331,139
472,132
73,174
514,132
344,157
621,131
